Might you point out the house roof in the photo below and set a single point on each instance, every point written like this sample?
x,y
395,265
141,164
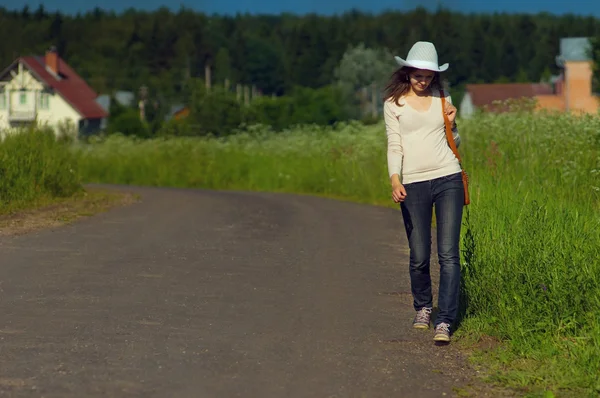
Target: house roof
x,y
174,110
104,101
574,49
124,98
485,94
70,86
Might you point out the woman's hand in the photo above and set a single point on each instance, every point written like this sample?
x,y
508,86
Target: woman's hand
x,y
450,111
398,191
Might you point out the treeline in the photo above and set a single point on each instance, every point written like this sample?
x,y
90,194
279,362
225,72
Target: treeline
x,y
285,59
162,49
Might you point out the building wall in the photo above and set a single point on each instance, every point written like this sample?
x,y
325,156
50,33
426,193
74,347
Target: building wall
x,y
3,111
466,106
578,87
29,106
575,93
550,102
59,112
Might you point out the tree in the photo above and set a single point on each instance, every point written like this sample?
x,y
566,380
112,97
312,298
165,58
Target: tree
x,y
308,53
222,68
40,14
56,34
361,68
521,76
264,67
595,55
128,123
215,112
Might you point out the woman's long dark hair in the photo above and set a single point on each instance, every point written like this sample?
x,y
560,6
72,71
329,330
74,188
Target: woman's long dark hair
x,y
399,84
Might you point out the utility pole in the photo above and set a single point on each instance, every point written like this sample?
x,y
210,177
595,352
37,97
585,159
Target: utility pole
x,y
207,77
142,104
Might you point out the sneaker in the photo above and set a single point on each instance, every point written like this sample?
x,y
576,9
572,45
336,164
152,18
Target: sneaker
x,y
422,318
442,332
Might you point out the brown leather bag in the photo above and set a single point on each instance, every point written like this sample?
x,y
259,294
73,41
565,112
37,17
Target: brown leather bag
x,y
450,138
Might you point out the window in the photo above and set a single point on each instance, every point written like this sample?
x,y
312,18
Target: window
x,y
44,101
23,98
2,100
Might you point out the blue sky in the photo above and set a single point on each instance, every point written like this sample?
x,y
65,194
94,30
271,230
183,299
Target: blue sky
x,y
579,7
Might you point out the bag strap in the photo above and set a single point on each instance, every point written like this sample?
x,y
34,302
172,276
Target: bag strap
x,y
449,135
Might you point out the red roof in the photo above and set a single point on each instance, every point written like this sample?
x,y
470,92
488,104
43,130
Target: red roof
x,y
70,86
485,94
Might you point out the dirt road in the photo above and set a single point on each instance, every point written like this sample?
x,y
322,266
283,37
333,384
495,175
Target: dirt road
x,y
217,294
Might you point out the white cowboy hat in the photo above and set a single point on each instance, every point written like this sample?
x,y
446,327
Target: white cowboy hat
x,y
422,55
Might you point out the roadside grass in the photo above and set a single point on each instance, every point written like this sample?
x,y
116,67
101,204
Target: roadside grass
x,y
40,184
35,167
46,213
531,246
341,162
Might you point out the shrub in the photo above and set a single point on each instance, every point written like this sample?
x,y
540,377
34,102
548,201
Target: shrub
x,y
35,165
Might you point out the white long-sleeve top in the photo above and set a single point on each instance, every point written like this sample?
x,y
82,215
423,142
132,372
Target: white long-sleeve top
x,y
416,142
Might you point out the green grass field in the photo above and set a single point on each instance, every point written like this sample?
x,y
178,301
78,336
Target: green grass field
x,y
531,237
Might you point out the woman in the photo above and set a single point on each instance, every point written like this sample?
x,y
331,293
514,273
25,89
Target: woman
x,y
425,174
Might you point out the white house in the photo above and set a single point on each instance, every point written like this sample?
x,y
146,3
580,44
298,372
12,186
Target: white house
x,y
46,90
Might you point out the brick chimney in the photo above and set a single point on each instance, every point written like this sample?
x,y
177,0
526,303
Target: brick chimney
x,y
52,60
578,87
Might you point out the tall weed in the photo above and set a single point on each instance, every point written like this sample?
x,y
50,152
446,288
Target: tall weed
x,y
343,161
35,165
531,247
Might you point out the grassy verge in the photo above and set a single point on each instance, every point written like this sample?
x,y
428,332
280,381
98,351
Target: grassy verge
x,y
44,213
35,166
40,184
531,276
342,162
531,247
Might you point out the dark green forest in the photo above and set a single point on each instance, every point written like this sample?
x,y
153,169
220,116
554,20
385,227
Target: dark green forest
x,y
277,54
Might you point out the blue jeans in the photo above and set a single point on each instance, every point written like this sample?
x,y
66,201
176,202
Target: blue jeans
x,y
447,196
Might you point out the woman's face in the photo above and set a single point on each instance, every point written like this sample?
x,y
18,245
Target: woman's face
x,y
420,79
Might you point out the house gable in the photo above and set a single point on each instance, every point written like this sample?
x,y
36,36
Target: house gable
x,y
26,98
17,77
54,74
70,86
46,90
